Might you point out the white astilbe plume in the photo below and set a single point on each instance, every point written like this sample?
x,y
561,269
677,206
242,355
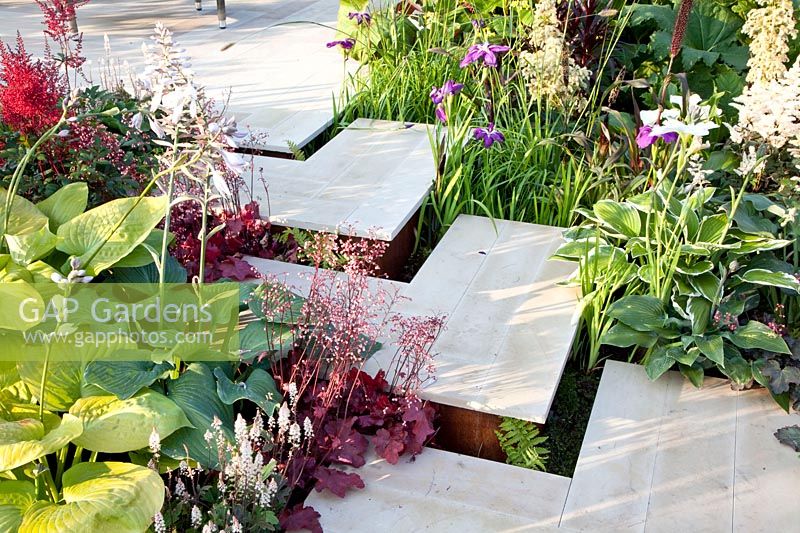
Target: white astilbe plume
x,y
770,28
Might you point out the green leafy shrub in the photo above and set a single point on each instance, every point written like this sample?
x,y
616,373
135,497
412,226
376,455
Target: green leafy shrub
x,y
521,443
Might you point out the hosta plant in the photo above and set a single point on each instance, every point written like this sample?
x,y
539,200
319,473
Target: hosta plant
x,y
700,264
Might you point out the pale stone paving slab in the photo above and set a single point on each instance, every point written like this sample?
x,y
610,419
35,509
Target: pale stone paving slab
x,y
281,78
368,181
508,324
447,493
664,456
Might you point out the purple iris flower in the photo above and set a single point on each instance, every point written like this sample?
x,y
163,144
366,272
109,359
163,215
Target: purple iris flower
x,y
441,114
361,18
484,51
645,136
489,135
346,44
478,23
449,88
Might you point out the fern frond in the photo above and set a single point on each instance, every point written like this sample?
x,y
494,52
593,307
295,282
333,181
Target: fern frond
x,y
520,441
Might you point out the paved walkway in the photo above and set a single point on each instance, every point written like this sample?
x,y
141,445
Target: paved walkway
x,y
272,57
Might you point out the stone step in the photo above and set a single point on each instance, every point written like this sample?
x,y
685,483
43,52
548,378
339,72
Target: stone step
x,y
509,326
665,456
368,181
446,493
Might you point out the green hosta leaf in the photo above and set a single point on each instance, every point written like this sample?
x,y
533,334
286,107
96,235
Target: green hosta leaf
x,y
760,276
124,378
29,247
790,436
658,362
84,236
23,441
174,273
15,498
576,249
712,228
696,269
63,380
693,373
642,313
110,497
699,310
623,336
24,218
112,425
712,347
737,369
65,204
706,284
685,357
755,335
619,216
195,391
259,388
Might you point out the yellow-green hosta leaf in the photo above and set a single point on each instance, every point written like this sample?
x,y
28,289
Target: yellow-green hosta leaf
x,y
85,235
15,294
64,379
28,247
24,218
23,441
112,425
16,497
65,204
100,497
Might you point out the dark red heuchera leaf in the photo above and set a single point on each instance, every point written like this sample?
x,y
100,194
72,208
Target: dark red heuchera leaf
x,y
345,444
236,269
390,443
420,416
336,481
298,518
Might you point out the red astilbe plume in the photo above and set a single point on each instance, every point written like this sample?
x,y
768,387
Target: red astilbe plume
x,y
30,91
58,14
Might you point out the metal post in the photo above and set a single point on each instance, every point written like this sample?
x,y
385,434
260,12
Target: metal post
x,y
198,5
221,14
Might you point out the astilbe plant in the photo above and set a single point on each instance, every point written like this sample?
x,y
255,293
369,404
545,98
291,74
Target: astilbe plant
x,y
30,91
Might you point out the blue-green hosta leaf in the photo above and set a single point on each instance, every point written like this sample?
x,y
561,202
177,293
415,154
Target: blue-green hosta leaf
x,y
755,335
85,235
624,336
112,425
622,217
109,497
124,378
760,276
195,391
261,337
275,303
790,436
174,273
259,388
65,204
642,313
23,441
712,347
658,362
16,497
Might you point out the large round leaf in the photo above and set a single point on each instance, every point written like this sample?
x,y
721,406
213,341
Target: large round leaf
x,y
24,218
15,498
23,441
65,204
112,425
195,391
101,497
14,294
63,384
124,378
85,235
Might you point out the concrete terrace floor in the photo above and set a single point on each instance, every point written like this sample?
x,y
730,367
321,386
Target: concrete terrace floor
x,y
271,59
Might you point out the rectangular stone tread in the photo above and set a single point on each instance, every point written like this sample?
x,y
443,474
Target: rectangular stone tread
x,y
665,456
447,493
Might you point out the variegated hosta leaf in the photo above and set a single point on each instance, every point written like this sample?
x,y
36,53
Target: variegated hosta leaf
x,y
112,425
16,497
23,441
108,497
